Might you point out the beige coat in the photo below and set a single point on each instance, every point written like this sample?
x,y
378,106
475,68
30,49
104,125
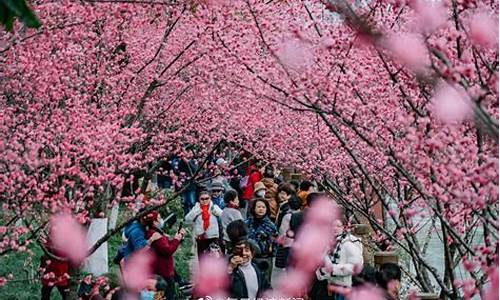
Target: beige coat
x,y
271,196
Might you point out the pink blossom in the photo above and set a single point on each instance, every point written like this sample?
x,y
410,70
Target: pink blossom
x,y
410,50
294,282
211,278
431,15
492,292
295,54
483,30
327,42
310,246
365,292
451,105
70,237
137,270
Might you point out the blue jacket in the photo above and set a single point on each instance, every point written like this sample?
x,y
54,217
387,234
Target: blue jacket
x,y
263,232
135,234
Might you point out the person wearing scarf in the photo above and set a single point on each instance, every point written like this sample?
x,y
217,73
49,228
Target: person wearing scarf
x,y
203,217
340,264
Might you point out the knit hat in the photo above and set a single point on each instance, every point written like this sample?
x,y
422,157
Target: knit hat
x,y
216,186
258,186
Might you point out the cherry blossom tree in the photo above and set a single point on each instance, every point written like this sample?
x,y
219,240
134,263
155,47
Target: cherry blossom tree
x,y
388,102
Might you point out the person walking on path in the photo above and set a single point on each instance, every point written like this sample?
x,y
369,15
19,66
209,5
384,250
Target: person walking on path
x,y
285,240
306,187
264,233
254,176
285,192
203,217
271,195
230,213
341,263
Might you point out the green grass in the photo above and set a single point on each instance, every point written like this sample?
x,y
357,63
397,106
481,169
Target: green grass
x,y
23,268
24,287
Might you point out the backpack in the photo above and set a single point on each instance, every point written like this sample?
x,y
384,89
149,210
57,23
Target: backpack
x,y
296,221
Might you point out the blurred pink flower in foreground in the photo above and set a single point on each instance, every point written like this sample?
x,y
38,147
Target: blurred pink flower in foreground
x,y
365,292
492,292
410,50
430,15
451,105
137,270
294,283
69,237
211,278
483,30
295,55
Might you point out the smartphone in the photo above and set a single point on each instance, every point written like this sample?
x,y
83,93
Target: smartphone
x,y
180,226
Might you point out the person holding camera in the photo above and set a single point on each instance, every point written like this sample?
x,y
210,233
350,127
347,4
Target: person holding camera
x,y
247,280
163,248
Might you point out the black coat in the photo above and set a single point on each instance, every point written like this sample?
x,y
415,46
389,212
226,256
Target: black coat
x,y
238,285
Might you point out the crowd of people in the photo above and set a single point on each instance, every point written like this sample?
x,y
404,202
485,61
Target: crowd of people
x,y
250,217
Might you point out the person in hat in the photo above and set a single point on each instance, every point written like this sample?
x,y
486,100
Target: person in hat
x,y
163,248
221,162
217,194
220,176
203,216
259,193
259,190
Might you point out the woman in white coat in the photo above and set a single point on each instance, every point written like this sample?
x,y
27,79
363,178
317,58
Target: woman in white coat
x,y
204,217
341,263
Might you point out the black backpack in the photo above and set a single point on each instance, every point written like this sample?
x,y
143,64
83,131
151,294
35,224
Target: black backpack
x,y
296,221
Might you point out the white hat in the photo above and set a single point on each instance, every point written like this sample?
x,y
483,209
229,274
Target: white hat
x,y
220,161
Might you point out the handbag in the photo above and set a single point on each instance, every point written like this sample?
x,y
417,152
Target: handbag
x,y
244,182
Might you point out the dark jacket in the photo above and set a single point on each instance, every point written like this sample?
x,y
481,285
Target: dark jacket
x,y
284,209
238,288
264,233
163,249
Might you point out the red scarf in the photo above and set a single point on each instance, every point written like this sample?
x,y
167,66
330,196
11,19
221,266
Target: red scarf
x,y
232,206
205,216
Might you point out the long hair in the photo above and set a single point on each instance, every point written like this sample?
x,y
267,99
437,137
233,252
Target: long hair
x,y
254,205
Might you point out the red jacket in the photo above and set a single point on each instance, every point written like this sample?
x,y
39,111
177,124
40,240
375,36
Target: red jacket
x,y
164,249
254,177
58,268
